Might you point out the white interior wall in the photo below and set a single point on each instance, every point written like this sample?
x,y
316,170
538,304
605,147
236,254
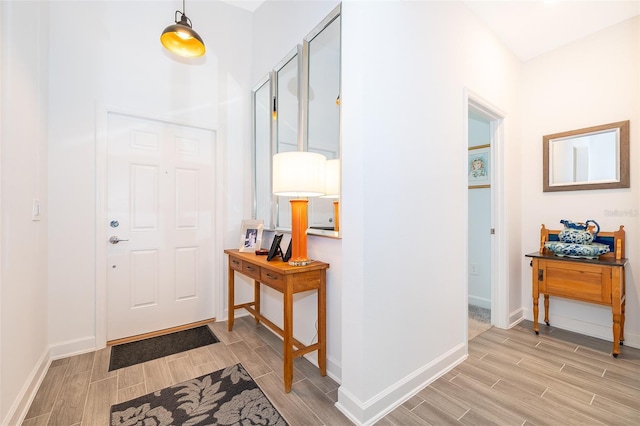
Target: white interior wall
x,y
120,64
404,191
589,82
23,125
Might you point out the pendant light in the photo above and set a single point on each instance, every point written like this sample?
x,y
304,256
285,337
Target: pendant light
x,y
181,39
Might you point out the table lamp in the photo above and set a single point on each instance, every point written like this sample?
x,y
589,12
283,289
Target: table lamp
x,y
299,174
332,189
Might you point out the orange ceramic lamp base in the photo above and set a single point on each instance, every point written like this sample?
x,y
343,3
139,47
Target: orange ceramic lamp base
x,y
299,233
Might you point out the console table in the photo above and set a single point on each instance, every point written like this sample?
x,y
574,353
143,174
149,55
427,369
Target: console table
x,y
600,281
288,280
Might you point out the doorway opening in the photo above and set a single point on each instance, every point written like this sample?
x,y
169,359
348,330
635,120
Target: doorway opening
x,y
487,291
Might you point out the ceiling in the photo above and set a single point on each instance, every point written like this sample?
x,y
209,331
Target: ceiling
x,y
530,28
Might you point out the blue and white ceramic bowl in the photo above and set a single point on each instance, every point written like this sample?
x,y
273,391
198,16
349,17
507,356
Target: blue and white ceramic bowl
x,y
586,251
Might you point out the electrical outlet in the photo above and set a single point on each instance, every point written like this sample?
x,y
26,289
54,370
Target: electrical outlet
x,y
475,269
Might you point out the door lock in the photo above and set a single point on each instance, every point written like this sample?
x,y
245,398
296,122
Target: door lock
x,y
115,240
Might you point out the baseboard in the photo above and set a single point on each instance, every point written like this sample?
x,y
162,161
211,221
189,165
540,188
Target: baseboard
x,y
20,406
599,331
516,316
479,301
368,412
73,347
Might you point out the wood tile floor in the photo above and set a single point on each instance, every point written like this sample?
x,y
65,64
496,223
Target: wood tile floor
x,y
512,377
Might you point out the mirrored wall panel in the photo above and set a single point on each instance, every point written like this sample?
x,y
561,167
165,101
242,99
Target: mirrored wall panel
x,y
287,82
297,107
288,121
322,99
262,117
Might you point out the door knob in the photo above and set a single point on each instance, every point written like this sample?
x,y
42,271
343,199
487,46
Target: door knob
x,y
115,240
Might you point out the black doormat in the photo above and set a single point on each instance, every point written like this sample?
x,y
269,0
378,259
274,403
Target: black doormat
x,y
132,353
224,397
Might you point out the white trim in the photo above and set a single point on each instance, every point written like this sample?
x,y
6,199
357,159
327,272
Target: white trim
x,y
586,328
499,249
18,411
72,347
480,301
370,411
102,113
2,91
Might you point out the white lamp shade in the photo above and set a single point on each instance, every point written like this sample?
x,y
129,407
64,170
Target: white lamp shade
x,y
299,174
332,179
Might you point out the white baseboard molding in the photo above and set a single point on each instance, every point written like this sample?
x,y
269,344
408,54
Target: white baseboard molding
x,y
20,406
73,347
600,331
368,412
516,316
479,301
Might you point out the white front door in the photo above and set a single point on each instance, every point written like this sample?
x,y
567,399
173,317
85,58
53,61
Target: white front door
x,y
160,208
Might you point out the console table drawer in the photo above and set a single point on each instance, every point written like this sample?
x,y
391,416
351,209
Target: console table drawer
x,y
235,264
272,279
251,270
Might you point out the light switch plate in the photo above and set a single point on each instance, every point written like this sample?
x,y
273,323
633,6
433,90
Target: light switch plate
x,y
35,209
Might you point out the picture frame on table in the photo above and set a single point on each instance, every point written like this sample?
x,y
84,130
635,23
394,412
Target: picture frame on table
x,y
275,249
250,235
287,255
478,167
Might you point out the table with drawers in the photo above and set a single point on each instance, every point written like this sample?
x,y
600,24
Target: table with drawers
x,y
287,280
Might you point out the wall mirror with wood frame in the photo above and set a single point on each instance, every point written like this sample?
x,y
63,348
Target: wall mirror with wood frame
x,y
591,158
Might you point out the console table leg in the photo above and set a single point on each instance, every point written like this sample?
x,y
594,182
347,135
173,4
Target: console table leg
x,y
288,338
256,299
616,334
622,309
322,326
546,309
535,290
231,299
535,315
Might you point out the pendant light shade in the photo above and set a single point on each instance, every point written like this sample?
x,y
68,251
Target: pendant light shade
x,y
181,39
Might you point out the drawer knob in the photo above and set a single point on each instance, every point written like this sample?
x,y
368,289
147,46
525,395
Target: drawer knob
x,y
273,277
250,268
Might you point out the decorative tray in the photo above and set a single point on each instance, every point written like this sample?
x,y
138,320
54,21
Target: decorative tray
x,y
586,251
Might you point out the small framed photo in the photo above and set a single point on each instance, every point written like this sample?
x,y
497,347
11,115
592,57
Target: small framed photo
x,y
251,235
478,167
275,247
287,255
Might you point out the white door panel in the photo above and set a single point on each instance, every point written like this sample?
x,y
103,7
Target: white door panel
x,y
160,191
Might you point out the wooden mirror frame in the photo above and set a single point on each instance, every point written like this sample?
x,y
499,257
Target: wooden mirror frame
x,y
623,156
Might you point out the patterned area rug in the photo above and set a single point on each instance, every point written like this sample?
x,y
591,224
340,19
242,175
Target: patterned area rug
x,y
224,397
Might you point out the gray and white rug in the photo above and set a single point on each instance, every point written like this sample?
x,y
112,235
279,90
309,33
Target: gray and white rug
x,y
224,397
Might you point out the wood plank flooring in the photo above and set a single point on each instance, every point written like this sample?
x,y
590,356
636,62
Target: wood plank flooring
x,y
512,377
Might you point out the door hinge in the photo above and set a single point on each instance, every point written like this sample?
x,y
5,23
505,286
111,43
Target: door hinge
x,y
492,231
